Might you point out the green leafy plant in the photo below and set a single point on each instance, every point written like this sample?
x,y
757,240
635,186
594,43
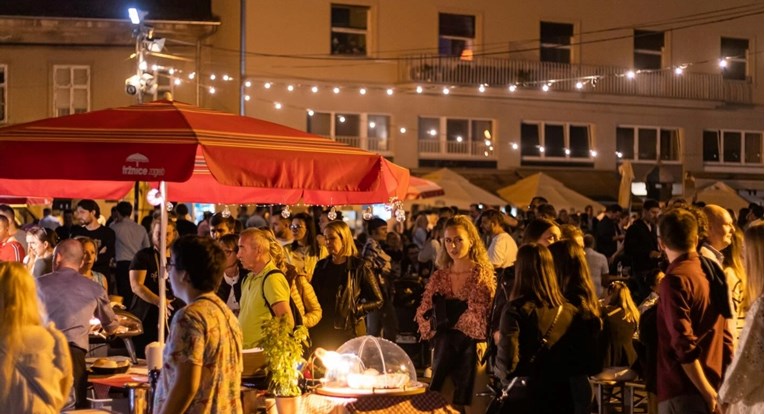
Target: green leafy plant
x,y
283,349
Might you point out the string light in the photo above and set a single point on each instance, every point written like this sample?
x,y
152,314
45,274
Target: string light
x,y
445,91
419,89
247,84
402,130
177,81
459,138
336,90
363,91
226,78
212,77
593,153
314,89
247,98
310,112
481,88
512,88
372,125
192,75
723,63
171,71
619,154
679,70
545,87
277,105
290,88
212,90
389,91
514,145
266,85
567,151
579,85
630,74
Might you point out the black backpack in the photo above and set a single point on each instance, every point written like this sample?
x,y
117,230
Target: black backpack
x,y
296,317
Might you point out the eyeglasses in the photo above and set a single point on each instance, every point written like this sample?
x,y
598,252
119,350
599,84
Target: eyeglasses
x,y
295,227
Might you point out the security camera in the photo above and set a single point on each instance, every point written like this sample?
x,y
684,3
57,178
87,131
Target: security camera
x,y
132,84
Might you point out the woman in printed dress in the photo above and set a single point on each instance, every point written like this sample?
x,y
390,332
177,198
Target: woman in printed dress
x,y
453,312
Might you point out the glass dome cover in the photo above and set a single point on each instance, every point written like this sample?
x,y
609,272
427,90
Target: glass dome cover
x,y
371,364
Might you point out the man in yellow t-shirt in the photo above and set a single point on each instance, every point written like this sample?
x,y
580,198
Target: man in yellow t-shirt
x,y
255,248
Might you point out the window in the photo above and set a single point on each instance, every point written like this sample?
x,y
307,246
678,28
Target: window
x,y
471,137
648,48
555,42
734,51
349,30
732,147
3,88
71,89
367,131
456,35
647,143
555,140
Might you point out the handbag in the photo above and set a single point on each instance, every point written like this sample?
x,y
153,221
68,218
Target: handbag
x,y
515,397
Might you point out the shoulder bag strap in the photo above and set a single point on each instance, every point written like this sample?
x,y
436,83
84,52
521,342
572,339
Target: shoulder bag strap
x,y
263,289
545,342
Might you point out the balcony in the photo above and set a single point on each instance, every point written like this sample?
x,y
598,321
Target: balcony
x,y
443,149
610,79
374,144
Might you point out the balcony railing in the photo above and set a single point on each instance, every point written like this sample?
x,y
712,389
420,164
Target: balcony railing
x,y
610,79
454,149
379,145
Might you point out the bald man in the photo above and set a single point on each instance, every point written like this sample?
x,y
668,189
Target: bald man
x,y
719,234
71,300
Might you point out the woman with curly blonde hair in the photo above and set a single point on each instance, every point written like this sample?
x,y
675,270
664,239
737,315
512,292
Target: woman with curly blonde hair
x,y
454,311
35,365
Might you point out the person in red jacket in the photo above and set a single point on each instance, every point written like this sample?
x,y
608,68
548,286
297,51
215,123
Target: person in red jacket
x,y
10,249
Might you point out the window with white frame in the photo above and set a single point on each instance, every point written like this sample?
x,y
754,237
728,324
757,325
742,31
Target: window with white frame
x,y
734,52
71,89
648,48
647,143
368,131
557,141
3,93
349,29
555,42
459,136
732,147
456,35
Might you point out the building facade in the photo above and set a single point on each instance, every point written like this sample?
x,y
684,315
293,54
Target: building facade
x,y
492,89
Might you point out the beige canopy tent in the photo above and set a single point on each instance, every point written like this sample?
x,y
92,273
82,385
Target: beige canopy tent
x,y
542,185
458,191
723,195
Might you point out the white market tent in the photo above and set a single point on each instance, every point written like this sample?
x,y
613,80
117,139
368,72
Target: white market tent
x,y
458,191
722,195
542,185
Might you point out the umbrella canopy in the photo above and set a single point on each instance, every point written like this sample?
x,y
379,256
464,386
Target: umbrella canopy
x,y
542,185
176,142
722,195
458,191
420,188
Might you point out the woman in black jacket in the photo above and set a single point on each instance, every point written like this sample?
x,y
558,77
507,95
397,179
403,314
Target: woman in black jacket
x,y
230,289
346,288
536,314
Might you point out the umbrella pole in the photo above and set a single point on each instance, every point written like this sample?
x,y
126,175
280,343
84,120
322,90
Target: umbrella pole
x,y
162,263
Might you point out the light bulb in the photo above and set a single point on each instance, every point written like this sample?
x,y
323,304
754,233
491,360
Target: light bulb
x,y
169,206
225,77
335,90
567,151
363,91
514,146
482,89
579,85
341,119
192,75
154,67
177,81
247,98
512,88
267,85
679,70
154,197
212,77
171,71
593,153
433,132
545,87
459,139
290,88
212,90
445,91
286,212
541,149
226,213
310,112
631,74
402,130
277,105
372,125
332,215
723,63
367,215
314,89
419,89
487,142
389,91
619,154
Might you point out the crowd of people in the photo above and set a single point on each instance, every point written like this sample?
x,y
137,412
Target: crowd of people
x,y
536,304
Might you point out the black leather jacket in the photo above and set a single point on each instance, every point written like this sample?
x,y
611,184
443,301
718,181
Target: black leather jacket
x,y
224,289
359,295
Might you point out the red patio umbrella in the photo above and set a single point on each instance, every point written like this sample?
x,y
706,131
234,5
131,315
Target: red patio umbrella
x,y
175,142
420,188
213,152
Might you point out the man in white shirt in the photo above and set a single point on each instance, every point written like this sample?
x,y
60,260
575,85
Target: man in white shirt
x,y
597,262
502,248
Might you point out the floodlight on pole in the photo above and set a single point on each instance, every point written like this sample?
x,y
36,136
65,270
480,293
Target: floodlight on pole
x,y
136,16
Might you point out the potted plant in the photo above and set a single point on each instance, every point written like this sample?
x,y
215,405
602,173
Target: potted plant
x,y
283,348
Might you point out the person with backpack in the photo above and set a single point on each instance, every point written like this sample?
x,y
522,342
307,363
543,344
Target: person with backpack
x,y
265,292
